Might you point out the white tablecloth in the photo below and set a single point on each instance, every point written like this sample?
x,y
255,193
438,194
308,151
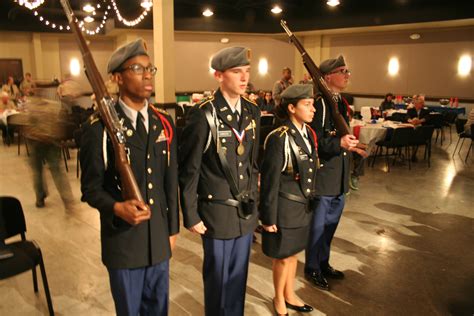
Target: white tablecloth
x,y
369,133
5,114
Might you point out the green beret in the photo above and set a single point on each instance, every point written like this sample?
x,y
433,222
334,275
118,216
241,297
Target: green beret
x,y
330,64
298,91
230,57
124,53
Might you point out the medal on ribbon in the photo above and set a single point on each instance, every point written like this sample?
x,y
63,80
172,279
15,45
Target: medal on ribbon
x,y
240,137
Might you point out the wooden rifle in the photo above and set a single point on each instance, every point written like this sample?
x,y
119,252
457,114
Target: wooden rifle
x,y
105,104
341,125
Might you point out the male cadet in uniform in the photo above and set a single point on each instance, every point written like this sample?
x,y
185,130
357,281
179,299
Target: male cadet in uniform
x,y
218,181
137,238
332,179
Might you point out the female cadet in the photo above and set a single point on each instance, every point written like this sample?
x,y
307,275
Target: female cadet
x,y
287,189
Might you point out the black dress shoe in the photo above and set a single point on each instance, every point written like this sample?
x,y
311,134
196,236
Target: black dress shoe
x,y
318,280
275,309
303,309
332,273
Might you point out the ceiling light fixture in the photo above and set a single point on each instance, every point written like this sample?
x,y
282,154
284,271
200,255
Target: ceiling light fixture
x,y
207,13
415,36
224,40
276,10
146,4
333,3
88,8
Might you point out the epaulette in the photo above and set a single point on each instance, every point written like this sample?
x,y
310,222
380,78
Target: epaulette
x,y
282,130
253,102
94,118
203,102
159,110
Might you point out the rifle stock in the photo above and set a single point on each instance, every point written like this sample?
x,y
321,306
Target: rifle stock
x,y
105,103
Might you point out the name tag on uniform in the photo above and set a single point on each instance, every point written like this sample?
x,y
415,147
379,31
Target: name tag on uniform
x,y
304,157
225,134
161,137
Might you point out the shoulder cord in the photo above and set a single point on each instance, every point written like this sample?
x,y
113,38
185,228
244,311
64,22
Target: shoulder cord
x,y
104,149
286,154
324,112
209,137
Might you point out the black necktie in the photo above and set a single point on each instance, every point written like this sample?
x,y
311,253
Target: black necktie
x,y
237,118
140,127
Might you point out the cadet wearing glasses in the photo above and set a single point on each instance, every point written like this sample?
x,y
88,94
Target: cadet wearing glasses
x,y
137,238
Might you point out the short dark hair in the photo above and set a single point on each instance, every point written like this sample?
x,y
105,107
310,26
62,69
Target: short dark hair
x,y
282,110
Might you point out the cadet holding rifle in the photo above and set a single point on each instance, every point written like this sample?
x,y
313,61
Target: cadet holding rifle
x,y
137,236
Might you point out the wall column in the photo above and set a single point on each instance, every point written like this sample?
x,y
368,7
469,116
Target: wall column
x,y
38,56
163,47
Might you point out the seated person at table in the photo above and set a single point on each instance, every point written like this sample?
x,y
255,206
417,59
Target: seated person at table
x,y
418,114
267,104
6,103
470,121
387,103
12,89
27,86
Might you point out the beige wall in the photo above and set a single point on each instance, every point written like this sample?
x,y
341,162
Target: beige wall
x,y
428,65
193,52
18,45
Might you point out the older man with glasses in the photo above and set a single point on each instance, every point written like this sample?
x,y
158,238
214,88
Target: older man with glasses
x,y
332,180
137,237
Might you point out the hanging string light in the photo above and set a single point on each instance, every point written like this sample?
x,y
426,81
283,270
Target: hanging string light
x,y
30,4
65,27
89,18
135,21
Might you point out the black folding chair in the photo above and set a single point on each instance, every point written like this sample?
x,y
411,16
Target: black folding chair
x,y
401,139
26,254
472,138
422,137
437,120
461,133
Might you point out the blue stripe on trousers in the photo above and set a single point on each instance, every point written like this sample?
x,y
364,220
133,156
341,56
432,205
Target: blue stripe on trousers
x,y
225,270
325,219
141,291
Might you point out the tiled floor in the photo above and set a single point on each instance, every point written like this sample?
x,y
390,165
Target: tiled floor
x,y
405,243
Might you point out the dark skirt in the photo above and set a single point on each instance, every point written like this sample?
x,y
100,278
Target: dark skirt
x,y
285,243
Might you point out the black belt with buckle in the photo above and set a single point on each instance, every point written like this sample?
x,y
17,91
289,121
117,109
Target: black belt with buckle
x,y
243,211
295,198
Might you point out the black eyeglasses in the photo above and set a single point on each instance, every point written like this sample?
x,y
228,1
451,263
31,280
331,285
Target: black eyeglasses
x,y
341,71
140,70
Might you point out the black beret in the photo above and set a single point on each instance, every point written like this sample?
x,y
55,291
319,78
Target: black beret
x,y
125,52
330,64
298,91
230,57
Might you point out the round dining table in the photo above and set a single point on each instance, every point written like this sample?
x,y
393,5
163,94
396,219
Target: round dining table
x,y
371,133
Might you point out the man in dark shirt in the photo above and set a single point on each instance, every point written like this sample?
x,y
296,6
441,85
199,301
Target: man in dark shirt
x,y
418,115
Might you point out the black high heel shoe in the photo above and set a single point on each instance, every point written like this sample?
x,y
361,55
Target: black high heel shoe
x,y
302,309
275,310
